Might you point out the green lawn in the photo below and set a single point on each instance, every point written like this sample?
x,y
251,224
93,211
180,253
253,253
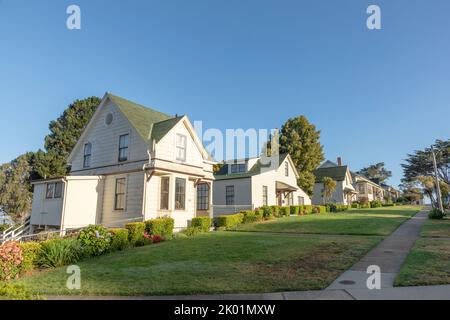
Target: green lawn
x,y
379,221
221,262
428,263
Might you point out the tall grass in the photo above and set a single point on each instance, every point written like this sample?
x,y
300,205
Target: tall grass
x,y
60,252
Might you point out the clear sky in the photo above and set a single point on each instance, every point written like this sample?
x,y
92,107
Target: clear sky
x,y
375,95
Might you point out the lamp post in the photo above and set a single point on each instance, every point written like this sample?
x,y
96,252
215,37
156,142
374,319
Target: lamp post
x,y
438,187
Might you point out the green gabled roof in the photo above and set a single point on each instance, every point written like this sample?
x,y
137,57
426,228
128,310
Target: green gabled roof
x,y
336,173
222,174
149,123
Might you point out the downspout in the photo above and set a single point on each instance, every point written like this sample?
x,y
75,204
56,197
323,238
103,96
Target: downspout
x,y
144,168
63,213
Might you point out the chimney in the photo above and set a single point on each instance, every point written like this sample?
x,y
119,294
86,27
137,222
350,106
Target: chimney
x,y
339,161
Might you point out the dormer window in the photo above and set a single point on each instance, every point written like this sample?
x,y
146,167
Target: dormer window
x,y
181,147
123,147
286,169
87,155
237,168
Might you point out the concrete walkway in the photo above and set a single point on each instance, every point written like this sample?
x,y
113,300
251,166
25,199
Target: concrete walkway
x,y
389,255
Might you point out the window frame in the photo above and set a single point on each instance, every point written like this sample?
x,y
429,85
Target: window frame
x,y
265,195
53,186
301,200
178,193
182,147
286,169
125,148
229,195
87,156
238,168
117,194
165,193
203,196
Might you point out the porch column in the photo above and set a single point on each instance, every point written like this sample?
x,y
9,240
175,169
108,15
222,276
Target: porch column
x,y
211,208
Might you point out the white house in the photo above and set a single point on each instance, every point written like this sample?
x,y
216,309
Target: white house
x,y
250,184
367,189
131,163
345,193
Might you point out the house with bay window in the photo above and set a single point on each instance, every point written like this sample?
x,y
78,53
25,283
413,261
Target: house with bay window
x,y
252,183
131,163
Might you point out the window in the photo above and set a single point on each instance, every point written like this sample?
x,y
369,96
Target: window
x,y
286,169
291,199
180,193
54,190
265,196
181,147
123,147
164,205
119,198
87,155
203,196
301,201
229,195
238,168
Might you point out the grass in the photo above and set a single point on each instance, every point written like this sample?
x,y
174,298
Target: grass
x,y
428,263
379,221
221,262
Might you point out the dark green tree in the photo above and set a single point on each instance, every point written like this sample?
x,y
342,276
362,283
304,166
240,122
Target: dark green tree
x,y
376,172
301,140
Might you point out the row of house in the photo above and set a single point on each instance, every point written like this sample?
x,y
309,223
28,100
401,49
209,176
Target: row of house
x,y
133,163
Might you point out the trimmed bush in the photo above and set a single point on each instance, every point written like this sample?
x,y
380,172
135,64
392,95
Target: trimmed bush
x,y
160,226
191,231
267,212
294,210
203,223
119,238
322,209
30,252
96,240
11,258
275,211
136,233
249,216
180,235
230,221
355,205
436,214
285,211
259,214
59,252
308,209
375,204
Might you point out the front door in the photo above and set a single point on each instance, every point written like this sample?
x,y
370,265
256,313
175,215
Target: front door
x,y
279,199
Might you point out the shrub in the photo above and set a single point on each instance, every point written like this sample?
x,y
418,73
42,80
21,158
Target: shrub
x,y
355,204
9,291
435,213
294,210
95,239
136,233
156,238
160,226
275,211
11,257
285,211
30,251
267,212
320,209
375,204
308,209
203,223
331,207
388,204
191,231
230,221
60,252
249,216
119,238
259,214
180,235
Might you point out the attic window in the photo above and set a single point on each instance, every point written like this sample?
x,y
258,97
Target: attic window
x,y
109,119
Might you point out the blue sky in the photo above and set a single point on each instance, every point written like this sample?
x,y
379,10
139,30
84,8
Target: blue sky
x,y
375,95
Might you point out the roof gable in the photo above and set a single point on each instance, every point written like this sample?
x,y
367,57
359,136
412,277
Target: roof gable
x,y
338,173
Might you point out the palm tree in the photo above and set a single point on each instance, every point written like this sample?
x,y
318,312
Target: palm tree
x,y
329,186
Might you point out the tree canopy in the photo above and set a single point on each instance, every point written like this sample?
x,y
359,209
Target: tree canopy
x,y
301,140
376,172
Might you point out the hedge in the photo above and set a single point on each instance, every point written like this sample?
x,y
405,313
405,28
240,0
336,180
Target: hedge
x,y
30,253
321,209
119,238
259,213
203,223
267,212
160,226
295,210
230,221
136,233
308,209
284,211
275,211
375,204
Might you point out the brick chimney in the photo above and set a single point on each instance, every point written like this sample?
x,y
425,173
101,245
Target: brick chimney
x,y
339,161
